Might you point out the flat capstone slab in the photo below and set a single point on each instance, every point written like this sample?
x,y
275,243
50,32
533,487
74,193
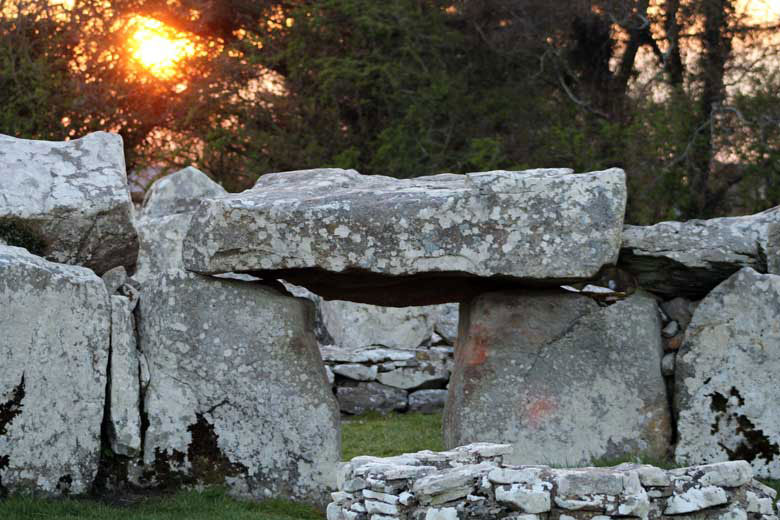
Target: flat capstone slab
x,y
401,242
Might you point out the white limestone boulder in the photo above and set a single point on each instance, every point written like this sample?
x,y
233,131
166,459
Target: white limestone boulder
x,y
55,321
71,197
179,192
691,258
726,390
385,241
562,379
238,394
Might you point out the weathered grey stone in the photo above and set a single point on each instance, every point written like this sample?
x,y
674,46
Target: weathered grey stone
x,y
773,248
160,241
358,325
55,322
667,363
356,371
564,380
726,390
114,279
427,401
446,322
71,195
367,355
695,499
529,498
179,192
367,397
125,382
690,258
680,310
238,393
426,375
384,241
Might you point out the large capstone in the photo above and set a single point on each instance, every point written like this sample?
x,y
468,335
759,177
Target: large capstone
x,y
68,201
562,379
55,323
385,241
726,390
691,258
238,394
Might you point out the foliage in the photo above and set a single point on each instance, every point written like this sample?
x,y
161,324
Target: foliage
x,y
681,94
390,435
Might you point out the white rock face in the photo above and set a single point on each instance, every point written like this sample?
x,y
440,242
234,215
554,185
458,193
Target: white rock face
x,y
401,242
726,376
358,325
179,192
160,240
125,379
238,393
73,195
690,258
562,379
55,323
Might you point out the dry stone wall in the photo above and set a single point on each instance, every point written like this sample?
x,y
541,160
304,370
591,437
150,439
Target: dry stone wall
x,y
473,482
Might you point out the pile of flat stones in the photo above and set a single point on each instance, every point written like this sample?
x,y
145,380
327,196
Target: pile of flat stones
x,y
473,482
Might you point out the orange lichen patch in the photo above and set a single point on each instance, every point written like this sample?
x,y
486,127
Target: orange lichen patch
x,y
537,411
476,347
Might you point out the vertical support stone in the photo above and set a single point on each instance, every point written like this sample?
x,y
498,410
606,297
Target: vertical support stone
x,y
562,379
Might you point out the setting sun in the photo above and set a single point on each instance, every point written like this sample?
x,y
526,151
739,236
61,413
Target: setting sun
x,y
158,47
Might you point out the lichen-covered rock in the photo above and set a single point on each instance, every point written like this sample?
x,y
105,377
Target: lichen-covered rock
x,y
384,241
54,344
358,325
427,401
125,380
371,397
474,482
773,249
690,258
562,379
237,392
160,241
71,198
446,322
179,192
726,390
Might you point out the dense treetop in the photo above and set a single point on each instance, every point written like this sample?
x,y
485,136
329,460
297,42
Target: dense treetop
x,y
683,94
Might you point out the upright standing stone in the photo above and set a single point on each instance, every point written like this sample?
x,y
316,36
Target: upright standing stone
x,y
179,192
562,379
238,393
54,341
125,380
69,200
726,391
384,241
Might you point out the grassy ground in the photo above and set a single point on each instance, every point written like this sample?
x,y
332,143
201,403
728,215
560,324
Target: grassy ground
x,y
367,435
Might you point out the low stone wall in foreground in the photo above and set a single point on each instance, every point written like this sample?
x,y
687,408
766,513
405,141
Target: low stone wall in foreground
x,y
472,482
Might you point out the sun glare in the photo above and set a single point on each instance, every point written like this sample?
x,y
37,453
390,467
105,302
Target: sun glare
x,y
158,47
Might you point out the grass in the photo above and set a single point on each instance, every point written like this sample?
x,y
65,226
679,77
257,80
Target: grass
x,y
394,434
371,434
212,504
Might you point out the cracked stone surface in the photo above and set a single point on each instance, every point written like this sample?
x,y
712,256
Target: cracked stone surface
x,y
237,393
55,322
726,376
179,192
73,195
562,379
374,239
691,258
125,379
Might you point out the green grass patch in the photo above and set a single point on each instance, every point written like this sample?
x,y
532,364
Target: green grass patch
x,y
212,504
392,434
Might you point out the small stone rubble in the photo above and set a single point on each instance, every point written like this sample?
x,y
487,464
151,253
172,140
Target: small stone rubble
x,y
473,482
387,379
